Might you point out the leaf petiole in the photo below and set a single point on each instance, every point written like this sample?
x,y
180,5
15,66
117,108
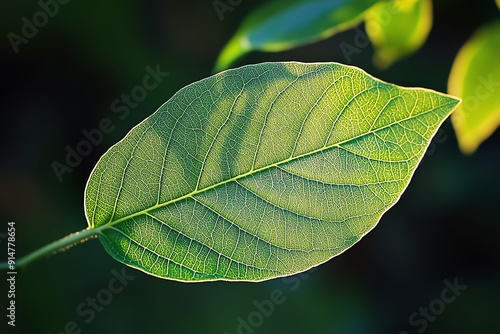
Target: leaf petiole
x,y
56,246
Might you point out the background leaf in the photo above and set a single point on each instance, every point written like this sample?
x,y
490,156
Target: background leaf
x,y
260,172
398,28
475,76
282,25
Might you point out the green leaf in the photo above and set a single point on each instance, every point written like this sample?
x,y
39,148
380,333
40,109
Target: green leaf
x,y
475,76
398,28
259,172
282,25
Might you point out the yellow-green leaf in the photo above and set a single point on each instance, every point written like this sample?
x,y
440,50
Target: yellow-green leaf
x,y
281,25
475,77
259,172
398,28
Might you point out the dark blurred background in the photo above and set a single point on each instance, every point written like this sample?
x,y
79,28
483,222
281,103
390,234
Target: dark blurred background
x,y
63,80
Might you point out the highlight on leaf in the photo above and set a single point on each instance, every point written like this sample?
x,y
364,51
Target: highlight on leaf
x,y
261,171
475,76
398,28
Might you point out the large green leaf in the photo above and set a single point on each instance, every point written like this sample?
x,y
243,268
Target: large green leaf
x,y
281,25
475,76
260,172
397,29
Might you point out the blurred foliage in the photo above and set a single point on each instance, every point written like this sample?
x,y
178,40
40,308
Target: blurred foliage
x,y
475,77
280,25
397,29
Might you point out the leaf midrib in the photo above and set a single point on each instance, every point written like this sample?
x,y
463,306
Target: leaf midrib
x,y
258,170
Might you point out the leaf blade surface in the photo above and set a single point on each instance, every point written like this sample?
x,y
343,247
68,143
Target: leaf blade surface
x,y
475,76
260,172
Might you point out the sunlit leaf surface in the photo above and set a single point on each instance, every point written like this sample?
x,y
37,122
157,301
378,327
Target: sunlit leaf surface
x,y
259,172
